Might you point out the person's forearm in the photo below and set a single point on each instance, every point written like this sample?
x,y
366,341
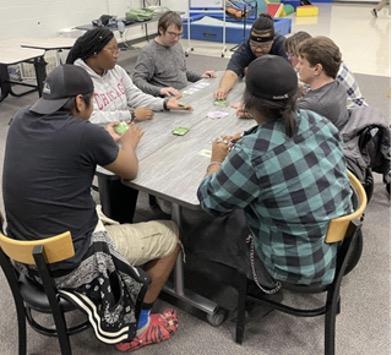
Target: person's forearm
x,y
145,86
130,151
228,80
192,76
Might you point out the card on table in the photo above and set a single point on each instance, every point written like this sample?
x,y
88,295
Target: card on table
x,y
217,114
180,131
205,153
219,102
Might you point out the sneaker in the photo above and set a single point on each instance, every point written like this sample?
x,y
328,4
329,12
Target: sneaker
x,y
374,12
160,328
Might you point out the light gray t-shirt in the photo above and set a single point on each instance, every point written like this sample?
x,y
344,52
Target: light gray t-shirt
x,y
328,101
159,66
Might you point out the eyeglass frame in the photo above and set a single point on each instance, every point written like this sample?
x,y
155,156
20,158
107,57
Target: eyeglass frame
x,y
174,34
254,44
112,50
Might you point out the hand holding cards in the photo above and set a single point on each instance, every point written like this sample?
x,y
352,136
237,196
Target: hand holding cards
x,y
173,104
121,128
220,102
182,106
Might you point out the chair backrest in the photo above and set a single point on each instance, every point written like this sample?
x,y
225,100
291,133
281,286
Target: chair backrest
x,y
337,228
57,248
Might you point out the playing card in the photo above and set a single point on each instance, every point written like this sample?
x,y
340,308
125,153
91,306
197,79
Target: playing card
x,y
217,114
205,153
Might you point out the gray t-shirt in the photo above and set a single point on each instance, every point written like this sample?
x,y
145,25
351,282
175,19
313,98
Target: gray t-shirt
x,y
159,66
328,101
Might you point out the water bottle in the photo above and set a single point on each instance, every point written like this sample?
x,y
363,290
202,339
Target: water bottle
x,y
121,27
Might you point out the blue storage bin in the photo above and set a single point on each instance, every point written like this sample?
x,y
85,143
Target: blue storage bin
x,y
214,33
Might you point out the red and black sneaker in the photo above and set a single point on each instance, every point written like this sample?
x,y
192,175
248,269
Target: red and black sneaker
x,y
160,328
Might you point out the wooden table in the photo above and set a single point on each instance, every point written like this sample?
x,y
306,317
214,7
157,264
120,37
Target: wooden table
x,y
14,54
117,201
172,167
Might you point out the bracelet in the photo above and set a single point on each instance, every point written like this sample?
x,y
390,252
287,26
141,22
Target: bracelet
x,y
133,115
165,104
214,162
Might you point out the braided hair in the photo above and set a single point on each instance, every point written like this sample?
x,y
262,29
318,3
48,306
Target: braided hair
x,y
91,43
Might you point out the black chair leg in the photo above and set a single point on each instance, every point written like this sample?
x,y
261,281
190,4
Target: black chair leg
x,y
242,288
65,346
330,321
22,342
338,308
62,335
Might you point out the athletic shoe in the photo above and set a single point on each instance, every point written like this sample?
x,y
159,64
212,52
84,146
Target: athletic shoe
x,y
160,328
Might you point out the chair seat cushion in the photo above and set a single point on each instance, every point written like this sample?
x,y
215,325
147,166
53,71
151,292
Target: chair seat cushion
x,y
35,297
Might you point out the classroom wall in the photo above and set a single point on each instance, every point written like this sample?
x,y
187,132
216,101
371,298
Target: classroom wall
x,y
45,18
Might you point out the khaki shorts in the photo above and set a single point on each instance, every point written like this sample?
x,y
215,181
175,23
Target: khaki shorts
x,y
142,242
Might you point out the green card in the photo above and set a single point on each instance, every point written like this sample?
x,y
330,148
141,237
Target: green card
x,y
121,128
180,131
222,102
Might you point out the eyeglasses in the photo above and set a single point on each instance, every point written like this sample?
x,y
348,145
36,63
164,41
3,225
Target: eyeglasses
x,y
261,45
113,50
174,34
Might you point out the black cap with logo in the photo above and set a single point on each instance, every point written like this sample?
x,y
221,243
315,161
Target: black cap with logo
x,y
63,82
271,77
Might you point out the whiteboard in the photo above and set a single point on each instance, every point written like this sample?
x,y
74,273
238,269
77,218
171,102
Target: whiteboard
x,y
206,3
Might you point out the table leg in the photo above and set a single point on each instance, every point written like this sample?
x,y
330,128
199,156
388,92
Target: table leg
x,y
146,31
5,84
188,297
40,72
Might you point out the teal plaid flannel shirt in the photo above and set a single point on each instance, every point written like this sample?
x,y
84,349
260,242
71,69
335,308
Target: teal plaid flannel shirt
x,y
289,188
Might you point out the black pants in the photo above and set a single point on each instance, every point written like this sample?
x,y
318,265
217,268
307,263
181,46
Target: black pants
x,y
221,240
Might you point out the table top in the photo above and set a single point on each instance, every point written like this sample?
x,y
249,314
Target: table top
x,y
52,43
90,26
157,132
172,167
14,54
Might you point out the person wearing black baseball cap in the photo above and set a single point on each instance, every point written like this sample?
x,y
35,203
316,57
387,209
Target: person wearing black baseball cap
x,y
288,174
262,40
64,84
52,152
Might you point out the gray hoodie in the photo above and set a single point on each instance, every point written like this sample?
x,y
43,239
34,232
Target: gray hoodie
x,y
115,94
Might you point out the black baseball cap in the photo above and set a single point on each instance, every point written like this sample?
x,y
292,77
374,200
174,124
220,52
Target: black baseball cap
x,y
63,82
271,77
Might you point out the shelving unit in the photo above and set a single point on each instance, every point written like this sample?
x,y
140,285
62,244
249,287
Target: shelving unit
x,y
206,7
202,12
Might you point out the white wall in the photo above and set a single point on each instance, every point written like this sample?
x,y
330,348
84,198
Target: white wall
x,y
176,5
44,18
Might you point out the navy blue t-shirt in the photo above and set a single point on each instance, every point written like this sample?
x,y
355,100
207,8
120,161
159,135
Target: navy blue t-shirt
x,y
243,56
50,161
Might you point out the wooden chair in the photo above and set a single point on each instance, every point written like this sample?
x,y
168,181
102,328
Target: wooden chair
x,y
343,230
30,295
